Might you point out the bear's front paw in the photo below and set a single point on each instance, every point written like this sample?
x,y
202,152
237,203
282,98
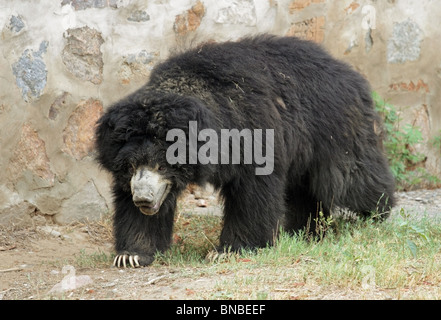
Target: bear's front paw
x,y
133,260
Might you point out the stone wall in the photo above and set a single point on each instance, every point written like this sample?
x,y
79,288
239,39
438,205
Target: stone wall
x,y
63,62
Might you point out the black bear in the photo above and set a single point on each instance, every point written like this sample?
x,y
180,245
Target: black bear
x,y
276,124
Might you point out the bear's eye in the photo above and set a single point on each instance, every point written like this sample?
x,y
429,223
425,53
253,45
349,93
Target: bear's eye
x,y
161,168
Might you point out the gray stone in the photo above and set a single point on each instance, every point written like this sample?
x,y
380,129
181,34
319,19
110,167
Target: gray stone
x,y
405,43
139,16
31,73
142,57
20,214
16,24
368,40
86,4
87,204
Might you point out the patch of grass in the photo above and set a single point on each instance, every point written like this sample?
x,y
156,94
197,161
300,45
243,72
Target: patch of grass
x,y
93,260
399,254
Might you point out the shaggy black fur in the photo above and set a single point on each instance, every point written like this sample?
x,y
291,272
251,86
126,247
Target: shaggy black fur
x,y
327,152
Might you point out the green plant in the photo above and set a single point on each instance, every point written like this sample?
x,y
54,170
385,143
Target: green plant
x,y
436,141
408,233
399,142
323,224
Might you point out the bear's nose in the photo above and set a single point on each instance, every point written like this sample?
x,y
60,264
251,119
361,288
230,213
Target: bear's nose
x,y
143,199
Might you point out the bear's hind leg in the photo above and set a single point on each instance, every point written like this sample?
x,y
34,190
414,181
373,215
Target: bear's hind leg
x,y
253,207
371,191
303,211
376,206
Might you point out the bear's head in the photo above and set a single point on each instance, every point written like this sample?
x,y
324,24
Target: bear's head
x,y
132,143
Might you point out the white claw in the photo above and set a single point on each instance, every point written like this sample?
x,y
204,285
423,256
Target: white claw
x,y
117,260
124,261
121,261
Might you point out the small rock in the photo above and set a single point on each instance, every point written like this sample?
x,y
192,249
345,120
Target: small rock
x,y
50,231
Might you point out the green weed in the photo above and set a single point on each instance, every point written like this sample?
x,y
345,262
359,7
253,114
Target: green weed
x,y
92,260
409,233
400,139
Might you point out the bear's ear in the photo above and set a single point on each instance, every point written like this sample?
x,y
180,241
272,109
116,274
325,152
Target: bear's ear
x,y
107,140
190,109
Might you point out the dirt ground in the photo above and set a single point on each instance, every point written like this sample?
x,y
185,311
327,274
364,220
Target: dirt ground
x,y
37,263
63,262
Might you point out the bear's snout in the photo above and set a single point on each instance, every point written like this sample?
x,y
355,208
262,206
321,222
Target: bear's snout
x,y
149,189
